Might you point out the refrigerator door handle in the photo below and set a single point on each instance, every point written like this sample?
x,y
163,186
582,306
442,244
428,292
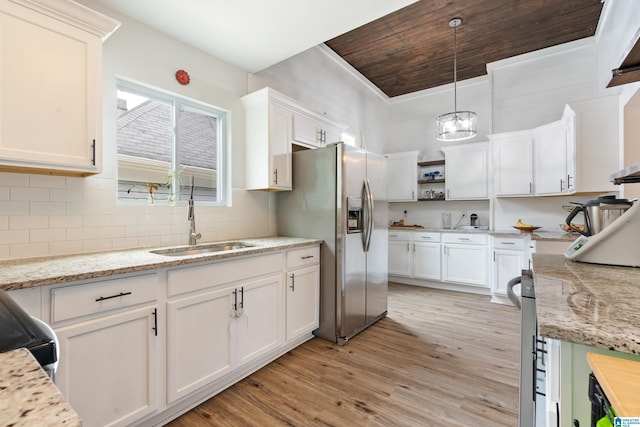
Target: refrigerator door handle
x,y
368,214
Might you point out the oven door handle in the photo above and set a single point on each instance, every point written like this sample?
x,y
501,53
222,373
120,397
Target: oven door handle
x,y
511,294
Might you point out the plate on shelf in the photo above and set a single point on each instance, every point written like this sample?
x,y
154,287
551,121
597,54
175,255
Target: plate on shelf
x,y
526,229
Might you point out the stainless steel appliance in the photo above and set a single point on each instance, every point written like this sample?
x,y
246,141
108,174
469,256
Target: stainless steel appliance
x,y
599,213
533,360
19,330
617,244
339,196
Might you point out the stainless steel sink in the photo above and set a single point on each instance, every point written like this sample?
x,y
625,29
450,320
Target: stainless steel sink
x,y
202,249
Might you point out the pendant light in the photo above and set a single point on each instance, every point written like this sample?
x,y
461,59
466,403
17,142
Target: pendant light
x,y
458,125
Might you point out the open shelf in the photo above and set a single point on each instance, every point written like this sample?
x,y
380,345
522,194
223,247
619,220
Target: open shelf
x,y
431,181
431,163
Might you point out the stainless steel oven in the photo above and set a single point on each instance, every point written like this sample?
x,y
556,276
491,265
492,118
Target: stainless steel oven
x,y
533,354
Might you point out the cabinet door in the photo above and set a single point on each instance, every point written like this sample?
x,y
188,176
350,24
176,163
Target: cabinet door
x,y
550,159
303,301
467,171
279,147
513,164
307,131
507,265
399,258
426,261
466,264
198,341
402,178
260,327
50,97
107,369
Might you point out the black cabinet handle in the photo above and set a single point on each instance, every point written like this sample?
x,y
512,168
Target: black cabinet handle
x,y
121,294
293,282
155,321
307,257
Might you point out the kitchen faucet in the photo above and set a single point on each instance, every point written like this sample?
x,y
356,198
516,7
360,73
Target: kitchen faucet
x,y
191,216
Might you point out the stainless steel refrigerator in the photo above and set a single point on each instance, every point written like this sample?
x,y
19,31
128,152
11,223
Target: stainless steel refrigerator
x,y
339,196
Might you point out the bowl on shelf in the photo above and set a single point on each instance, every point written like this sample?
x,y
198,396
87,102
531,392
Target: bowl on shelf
x,y
525,229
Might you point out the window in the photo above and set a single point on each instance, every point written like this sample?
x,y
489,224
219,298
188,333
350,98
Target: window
x,y
165,143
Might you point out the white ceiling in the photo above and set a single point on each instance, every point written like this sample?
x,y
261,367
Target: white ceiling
x,y
255,34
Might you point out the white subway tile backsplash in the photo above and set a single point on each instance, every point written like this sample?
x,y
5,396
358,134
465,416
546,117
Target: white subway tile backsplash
x,y
65,221
46,181
30,250
67,195
65,247
29,194
14,237
82,208
97,245
46,208
14,208
43,215
83,233
14,179
22,222
47,235
96,220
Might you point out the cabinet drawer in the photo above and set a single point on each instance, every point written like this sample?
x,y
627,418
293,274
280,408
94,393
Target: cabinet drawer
x,y
205,276
97,297
303,256
426,237
508,243
468,238
399,235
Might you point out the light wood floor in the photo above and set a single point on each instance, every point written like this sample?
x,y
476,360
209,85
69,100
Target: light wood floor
x,y
440,358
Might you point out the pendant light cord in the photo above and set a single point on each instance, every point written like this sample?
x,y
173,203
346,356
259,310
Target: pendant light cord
x,y
455,70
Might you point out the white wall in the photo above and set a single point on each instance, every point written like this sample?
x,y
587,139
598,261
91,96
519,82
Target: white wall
x,y
412,124
316,80
532,89
44,215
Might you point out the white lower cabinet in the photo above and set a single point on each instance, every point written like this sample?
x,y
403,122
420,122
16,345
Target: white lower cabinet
x,y
303,292
199,347
400,254
511,255
108,364
219,320
426,256
465,259
414,254
259,322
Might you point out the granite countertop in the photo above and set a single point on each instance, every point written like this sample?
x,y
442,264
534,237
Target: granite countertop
x,y
554,236
28,396
27,273
590,304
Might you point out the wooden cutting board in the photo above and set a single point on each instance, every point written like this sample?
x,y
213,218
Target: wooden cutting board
x,y
405,227
620,381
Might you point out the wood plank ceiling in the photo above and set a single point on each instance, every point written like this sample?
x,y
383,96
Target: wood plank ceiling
x,y
412,49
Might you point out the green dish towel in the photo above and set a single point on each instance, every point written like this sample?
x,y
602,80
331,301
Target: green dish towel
x,y
604,422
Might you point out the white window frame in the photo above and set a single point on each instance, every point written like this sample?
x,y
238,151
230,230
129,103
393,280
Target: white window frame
x,y
149,170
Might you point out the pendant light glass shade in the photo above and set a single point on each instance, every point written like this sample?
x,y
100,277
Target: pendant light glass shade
x,y
457,125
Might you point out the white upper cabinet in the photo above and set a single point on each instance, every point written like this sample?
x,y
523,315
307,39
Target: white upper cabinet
x,y
551,147
402,176
467,171
274,122
313,131
50,98
513,163
597,143
268,148
567,156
